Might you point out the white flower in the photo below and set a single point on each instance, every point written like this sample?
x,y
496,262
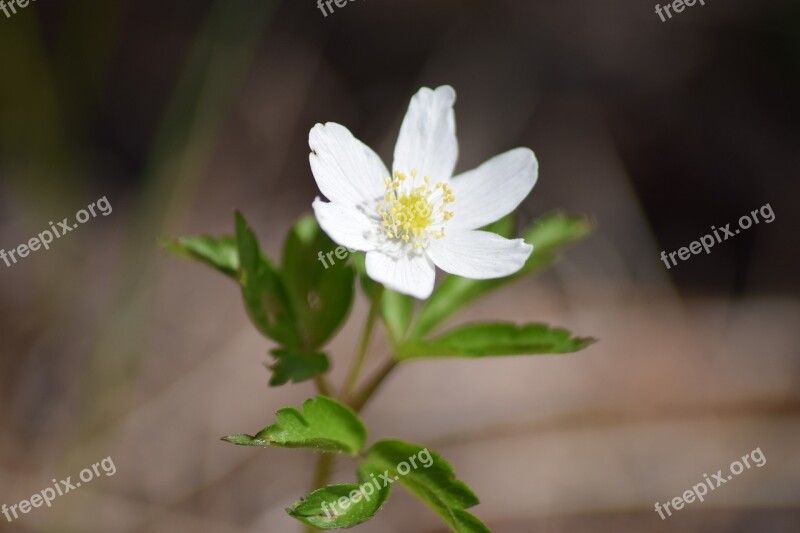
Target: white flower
x,y
420,216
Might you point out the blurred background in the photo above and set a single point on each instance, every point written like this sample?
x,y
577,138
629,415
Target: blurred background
x,y
181,112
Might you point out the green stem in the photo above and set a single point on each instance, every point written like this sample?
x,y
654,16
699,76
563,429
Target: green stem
x,y
323,387
322,473
361,356
363,396
324,466
323,470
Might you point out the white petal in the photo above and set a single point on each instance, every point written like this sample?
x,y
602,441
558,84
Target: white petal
x,y
347,171
478,254
412,275
494,189
345,225
427,141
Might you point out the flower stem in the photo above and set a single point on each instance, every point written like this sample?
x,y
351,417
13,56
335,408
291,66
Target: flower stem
x,y
361,356
323,387
363,396
323,470
322,473
324,466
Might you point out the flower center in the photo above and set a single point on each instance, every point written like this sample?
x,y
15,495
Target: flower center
x,y
409,210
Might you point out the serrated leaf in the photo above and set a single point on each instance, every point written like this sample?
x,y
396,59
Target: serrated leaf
x,y
262,289
324,425
547,235
296,366
494,339
340,506
428,477
218,253
320,297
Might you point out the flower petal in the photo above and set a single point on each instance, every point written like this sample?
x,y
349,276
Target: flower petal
x,y
412,275
427,141
494,189
347,171
345,225
478,254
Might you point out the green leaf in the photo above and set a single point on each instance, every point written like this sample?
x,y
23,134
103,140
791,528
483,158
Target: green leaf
x,y
505,227
220,254
296,367
425,475
324,425
547,235
262,289
452,294
340,506
396,309
494,339
320,294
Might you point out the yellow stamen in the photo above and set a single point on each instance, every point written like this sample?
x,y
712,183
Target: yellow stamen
x,y
409,211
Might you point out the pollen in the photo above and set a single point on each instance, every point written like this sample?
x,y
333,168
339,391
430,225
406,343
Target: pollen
x,y
411,208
